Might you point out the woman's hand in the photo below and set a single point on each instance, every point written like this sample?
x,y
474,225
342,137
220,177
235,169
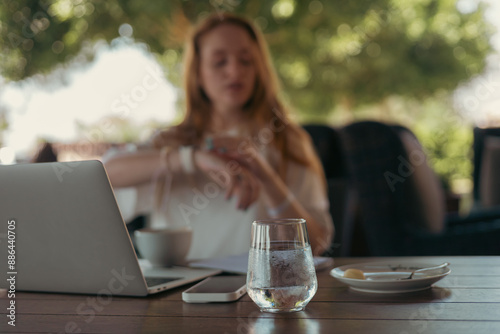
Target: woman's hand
x,y
236,181
243,151
277,195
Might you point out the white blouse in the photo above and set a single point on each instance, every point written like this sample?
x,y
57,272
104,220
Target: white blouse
x,y
219,228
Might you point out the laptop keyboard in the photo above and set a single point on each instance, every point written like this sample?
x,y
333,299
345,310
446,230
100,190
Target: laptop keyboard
x,y
153,281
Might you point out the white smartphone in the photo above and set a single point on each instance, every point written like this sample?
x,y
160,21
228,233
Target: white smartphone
x,y
216,289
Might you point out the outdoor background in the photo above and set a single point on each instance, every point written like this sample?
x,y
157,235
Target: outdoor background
x,y
92,72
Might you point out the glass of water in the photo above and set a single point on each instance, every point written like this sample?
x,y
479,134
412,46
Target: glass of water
x,y
281,275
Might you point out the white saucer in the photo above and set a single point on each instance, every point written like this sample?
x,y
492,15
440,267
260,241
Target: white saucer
x,y
382,277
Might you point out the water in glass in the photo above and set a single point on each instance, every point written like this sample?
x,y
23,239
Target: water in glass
x,y
281,275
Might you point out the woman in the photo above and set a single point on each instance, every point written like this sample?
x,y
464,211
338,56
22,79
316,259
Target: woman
x,y
235,157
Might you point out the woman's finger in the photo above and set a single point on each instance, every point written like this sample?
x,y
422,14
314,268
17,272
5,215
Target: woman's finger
x,y
255,190
232,187
249,191
245,194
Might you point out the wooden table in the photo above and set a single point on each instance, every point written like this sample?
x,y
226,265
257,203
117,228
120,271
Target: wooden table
x,y
466,301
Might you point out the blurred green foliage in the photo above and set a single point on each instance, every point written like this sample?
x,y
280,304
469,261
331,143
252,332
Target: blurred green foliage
x,y
326,52
334,58
447,139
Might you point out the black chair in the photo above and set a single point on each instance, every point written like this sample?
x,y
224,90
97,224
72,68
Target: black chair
x,y
46,153
134,225
485,164
395,210
328,145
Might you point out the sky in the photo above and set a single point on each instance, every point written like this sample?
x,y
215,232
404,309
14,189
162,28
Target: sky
x,y
124,82
127,82
479,100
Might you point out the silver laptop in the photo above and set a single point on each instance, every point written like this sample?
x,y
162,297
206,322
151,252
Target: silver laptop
x,y
63,231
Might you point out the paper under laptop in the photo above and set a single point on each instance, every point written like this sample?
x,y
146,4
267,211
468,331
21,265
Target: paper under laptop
x,y
61,226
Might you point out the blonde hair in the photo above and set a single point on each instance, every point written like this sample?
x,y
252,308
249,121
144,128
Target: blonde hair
x,y
264,106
